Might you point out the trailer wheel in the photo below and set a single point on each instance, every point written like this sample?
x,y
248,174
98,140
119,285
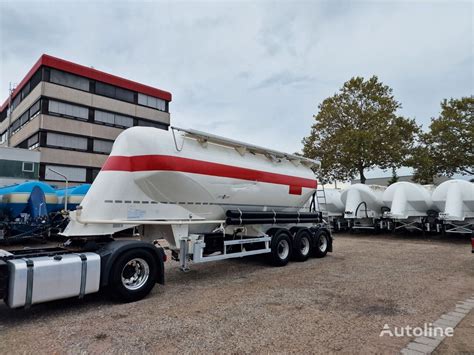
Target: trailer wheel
x,y
280,248
133,275
302,245
321,244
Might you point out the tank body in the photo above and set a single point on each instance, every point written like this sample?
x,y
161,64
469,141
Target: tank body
x,y
455,200
406,199
333,205
75,195
14,198
153,174
362,201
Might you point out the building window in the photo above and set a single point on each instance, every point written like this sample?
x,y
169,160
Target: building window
x,y
62,108
35,108
114,92
72,173
3,137
123,121
15,126
95,172
24,118
25,91
66,141
28,167
104,117
16,102
144,123
33,141
152,102
113,119
125,95
101,146
70,80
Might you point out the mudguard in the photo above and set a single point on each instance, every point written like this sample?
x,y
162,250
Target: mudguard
x,y
110,252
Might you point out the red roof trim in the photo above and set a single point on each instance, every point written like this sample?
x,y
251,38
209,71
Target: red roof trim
x,y
90,73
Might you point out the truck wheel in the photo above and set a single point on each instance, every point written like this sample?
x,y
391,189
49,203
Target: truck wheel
x,y
281,248
321,244
133,275
302,245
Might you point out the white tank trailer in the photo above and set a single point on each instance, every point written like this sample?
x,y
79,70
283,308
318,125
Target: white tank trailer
x,y
455,201
364,206
209,197
332,207
411,207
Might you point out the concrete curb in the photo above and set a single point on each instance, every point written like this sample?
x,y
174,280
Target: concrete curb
x,y
428,344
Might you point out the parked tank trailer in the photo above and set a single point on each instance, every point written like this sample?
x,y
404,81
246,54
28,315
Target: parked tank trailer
x,y
209,197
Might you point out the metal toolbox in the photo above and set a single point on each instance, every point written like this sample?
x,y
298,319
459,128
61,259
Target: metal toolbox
x,y
46,278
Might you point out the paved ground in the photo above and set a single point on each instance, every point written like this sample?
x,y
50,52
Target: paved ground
x,y
462,341
339,303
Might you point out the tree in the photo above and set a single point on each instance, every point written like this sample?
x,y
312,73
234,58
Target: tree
x,y
394,178
358,129
448,147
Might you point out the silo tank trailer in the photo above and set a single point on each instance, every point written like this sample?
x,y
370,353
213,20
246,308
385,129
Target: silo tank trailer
x,y
211,198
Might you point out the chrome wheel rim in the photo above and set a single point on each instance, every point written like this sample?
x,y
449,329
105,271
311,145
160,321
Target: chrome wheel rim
x,y
283,249
322,243
305,246
135,274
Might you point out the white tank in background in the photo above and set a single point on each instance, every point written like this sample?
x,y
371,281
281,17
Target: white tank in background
x,y
409,205
333,204
333,208
363,205
455,200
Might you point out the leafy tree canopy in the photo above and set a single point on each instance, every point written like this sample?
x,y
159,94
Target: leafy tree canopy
x,y
358,129
448,147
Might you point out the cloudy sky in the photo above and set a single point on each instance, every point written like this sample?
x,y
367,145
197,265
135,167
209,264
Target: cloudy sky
x,y
254,71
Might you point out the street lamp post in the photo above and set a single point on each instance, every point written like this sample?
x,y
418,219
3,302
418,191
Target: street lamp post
x,y
67,184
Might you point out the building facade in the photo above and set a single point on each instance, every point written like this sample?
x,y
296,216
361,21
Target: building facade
x,y
72,114
18,165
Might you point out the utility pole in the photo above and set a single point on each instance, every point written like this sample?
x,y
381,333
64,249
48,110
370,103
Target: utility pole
x,y
11,89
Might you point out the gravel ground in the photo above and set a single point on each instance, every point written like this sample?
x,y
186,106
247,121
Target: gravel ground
x,y
339,303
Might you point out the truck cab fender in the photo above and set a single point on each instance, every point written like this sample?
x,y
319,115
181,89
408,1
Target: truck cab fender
x,y
112,250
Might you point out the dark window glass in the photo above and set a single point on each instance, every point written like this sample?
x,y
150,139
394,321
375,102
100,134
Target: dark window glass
x,y
70,80
25,91
123,94
150,124
95,172
16,125
16,101
35,108
101,146
24,118
33,140
35,79
104,89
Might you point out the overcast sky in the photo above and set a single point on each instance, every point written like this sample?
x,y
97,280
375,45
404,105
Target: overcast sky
x,y
254,71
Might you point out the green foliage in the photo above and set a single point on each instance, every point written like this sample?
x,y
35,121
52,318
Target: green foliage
x,y
448,147
358,129
394,178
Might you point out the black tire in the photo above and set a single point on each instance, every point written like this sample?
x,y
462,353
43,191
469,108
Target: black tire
x,y
302,245
321,244
280,248
126,290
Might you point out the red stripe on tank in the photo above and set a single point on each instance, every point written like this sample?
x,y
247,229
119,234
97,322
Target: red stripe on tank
x,y
186,165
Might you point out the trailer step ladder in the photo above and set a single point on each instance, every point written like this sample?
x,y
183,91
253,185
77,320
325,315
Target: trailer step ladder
x,y
321,199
